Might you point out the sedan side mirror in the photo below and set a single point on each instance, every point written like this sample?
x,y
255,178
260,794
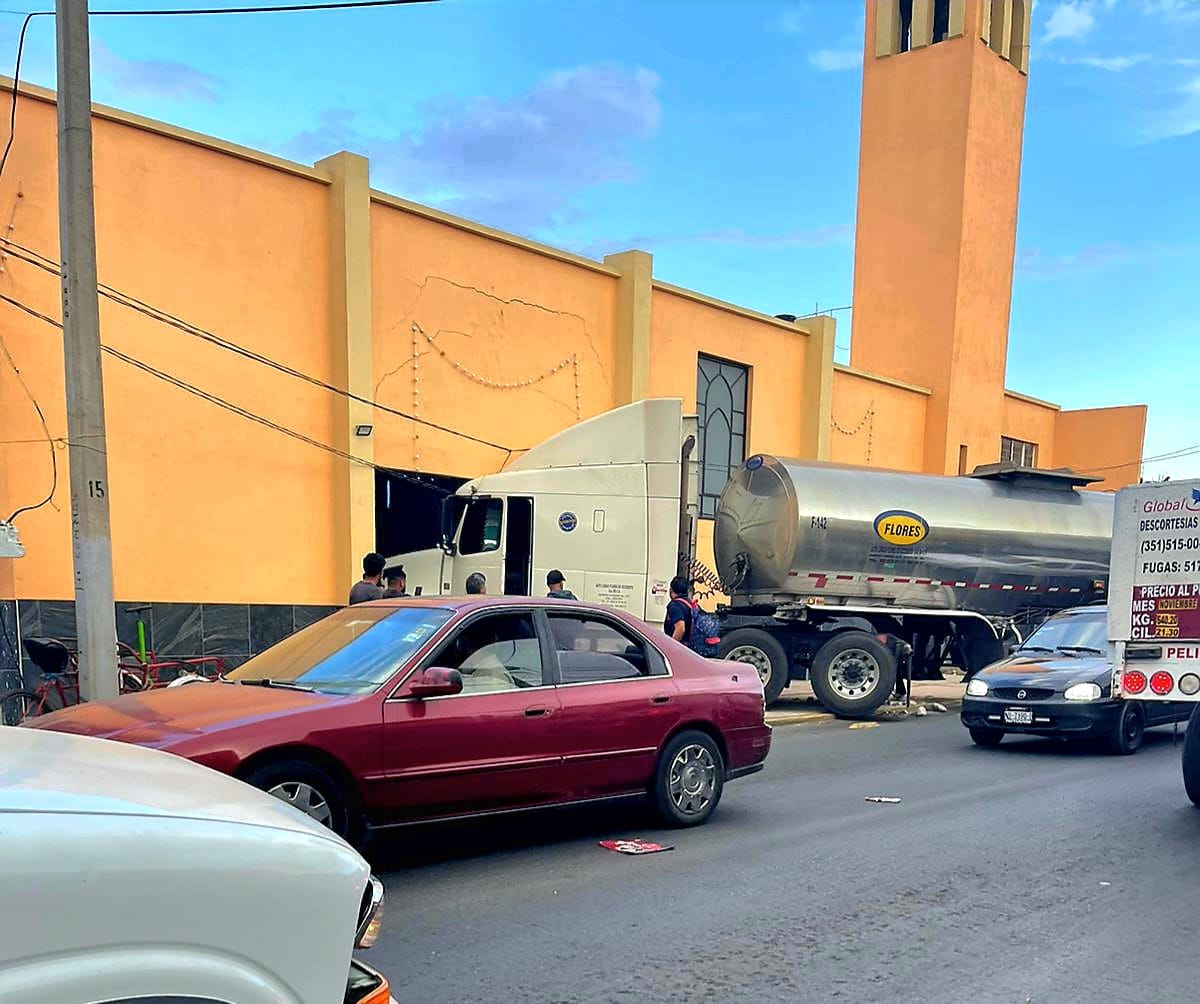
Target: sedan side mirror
x,y
435,682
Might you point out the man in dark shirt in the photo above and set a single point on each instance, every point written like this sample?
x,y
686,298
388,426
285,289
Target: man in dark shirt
x,y
678,623
368,588
397,583
557,584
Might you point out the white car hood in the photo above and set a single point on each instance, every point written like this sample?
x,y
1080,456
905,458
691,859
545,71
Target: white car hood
x,y
58,773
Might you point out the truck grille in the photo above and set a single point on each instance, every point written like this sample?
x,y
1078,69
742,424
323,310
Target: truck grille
x,y
1027,693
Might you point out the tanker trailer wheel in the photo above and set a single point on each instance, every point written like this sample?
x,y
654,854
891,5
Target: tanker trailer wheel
x,y
763,651
853,674
1191,757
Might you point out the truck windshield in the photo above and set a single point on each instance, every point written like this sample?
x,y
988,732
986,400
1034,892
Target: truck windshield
x,y
353,651
1085,632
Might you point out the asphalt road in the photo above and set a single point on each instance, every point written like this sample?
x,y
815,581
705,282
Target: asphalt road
x,y
1034,872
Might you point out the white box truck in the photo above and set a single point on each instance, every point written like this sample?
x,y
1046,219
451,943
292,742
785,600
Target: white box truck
x,y
1154,604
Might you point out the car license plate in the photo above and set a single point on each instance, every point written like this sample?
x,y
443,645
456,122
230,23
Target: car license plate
x,y
1018,716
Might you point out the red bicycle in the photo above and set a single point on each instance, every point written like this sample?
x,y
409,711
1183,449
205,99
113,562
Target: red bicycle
x,y
59,685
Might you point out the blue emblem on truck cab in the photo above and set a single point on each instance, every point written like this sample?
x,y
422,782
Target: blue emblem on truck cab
x,y
567,522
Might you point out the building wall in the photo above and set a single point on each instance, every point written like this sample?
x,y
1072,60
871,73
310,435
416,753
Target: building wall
x,y
1034,422
1103,442
509,344
685,327
243,255
877,422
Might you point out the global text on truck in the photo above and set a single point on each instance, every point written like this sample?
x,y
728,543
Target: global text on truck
x,y
832,572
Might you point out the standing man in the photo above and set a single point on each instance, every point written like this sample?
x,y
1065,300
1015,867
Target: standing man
x,y
397,583
678,623
557,584
476,584
368,588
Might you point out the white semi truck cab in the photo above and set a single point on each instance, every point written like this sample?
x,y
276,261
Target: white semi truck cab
x,y
1154,603
610,502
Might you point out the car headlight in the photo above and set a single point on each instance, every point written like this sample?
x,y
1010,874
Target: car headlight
x,y
1083,692
977,688
370,916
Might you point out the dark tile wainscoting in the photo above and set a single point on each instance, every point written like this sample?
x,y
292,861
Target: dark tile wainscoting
x,y
233,631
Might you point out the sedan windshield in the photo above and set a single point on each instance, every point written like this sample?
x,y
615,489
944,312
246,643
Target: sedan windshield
x,y
352,651
1085,634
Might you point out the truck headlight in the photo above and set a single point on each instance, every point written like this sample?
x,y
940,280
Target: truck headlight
x,y
370,916
977,688
1083,692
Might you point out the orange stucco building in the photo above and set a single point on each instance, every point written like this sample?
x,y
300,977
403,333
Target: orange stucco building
x,y
243,495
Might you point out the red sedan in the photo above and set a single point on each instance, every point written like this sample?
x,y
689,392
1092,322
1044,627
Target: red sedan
x,y
403,711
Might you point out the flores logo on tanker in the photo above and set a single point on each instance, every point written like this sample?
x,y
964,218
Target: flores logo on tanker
x,y
901,528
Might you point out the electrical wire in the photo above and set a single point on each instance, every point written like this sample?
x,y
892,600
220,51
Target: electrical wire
x,y
263,9
38,260
227,405
1180,454
16,79
45,428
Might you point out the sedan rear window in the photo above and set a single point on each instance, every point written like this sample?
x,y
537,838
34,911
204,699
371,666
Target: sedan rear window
x,y
353,651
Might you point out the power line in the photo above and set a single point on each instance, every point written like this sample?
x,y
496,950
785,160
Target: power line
x,y
263,9
222,403
45,428
1180,454
12,114
130,302
178,12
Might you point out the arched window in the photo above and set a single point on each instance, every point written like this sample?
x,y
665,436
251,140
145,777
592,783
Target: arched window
x,y
721,389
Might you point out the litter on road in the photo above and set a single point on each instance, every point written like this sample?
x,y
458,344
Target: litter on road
x,y
865,725
637,846
887,799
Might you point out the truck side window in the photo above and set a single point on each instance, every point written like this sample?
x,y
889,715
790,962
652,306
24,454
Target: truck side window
x,y
481,527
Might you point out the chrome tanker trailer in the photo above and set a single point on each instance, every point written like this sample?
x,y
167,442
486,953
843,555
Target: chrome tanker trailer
x,y
837,573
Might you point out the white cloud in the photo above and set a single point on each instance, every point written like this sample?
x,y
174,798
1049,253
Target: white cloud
x,y
790,21
1068,20
834,235
1173,10
1182,119
515,162
831,60
161,78
1113,64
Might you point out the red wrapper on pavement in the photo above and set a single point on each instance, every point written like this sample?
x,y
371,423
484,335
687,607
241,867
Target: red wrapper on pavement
x,y
637,846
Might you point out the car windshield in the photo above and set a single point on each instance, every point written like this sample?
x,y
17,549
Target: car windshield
x,y
1086,633
352,651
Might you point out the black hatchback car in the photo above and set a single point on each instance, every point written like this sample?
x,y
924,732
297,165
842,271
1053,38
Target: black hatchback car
x,y
1059,684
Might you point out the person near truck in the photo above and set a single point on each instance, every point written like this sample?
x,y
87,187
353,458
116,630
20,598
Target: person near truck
x,y
476,584
556,582
368,588
678,623
397,583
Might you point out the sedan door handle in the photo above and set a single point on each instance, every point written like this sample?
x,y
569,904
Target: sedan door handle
x,y
660,699
536,712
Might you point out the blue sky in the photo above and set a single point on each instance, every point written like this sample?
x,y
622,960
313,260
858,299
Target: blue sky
x,y
723,137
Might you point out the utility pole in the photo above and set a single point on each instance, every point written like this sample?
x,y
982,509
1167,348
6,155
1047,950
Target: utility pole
x,y
95,615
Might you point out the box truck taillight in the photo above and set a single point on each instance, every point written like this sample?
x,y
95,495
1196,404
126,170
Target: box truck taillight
x,y
1133,681
1162,683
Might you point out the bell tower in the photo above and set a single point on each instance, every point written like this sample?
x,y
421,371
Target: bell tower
x,y
943,110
